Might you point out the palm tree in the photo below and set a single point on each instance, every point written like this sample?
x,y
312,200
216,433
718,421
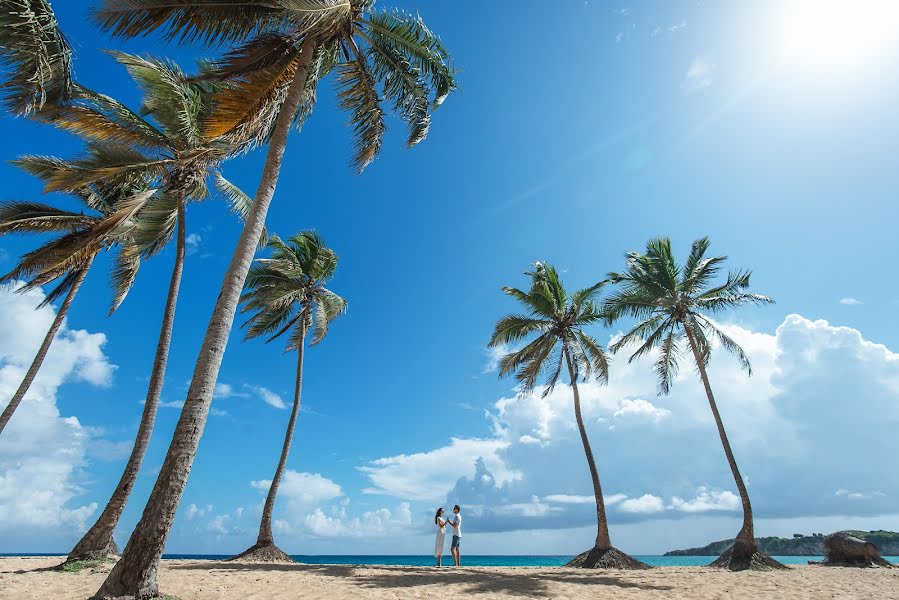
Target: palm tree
x,y
286,49
287,295
558,319
35,55
671,302
68,257
172,149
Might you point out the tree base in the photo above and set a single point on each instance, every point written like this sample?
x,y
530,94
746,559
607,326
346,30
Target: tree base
x,y
609,558
264,553
748,559
97,553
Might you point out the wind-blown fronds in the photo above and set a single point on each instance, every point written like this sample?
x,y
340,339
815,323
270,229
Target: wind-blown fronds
x,y
358,94
557,318
287,293
35,57
668,300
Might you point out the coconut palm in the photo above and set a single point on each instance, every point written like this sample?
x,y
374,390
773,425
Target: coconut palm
x,y
285,48
286,294
557,318
164,142
35,56
671,303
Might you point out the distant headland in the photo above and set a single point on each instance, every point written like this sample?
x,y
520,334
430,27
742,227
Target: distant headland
x,y
798,545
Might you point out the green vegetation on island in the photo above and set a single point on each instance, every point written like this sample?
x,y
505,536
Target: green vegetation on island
x,y
799,545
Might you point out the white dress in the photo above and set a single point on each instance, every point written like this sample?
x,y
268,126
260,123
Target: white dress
x,y
441,533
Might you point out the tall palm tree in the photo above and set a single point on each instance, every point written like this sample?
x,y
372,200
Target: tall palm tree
x,y
671,303
558,319
162,141
67,258
287,295
35,55
287,47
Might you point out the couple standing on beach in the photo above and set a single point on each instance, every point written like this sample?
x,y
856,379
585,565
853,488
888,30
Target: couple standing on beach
x,y
455,521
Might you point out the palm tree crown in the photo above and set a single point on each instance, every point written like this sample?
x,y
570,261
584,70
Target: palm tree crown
x,y
667,299
287,293
558,318
379,55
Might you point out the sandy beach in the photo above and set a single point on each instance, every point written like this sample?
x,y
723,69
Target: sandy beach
x,y
24,579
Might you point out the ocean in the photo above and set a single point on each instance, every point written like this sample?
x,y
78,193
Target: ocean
x,y
475,560
500,560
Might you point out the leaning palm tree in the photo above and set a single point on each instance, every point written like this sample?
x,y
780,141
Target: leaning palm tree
x,y
35,56
285,48
558,319
287,295
671,303
67,258
162,141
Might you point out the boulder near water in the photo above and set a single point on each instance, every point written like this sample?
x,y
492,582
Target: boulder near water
x,y
845,550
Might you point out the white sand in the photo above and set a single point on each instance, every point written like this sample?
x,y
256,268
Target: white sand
x,y
22,579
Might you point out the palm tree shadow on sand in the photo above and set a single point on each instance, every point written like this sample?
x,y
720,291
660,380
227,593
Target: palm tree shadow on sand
x,y
466,580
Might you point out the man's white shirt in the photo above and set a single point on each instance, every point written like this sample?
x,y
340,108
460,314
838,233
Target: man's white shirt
x,y
456,524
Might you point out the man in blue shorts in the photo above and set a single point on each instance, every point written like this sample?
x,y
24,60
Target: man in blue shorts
x,y
456,523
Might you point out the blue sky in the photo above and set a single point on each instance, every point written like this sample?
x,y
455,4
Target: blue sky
x,y
579,133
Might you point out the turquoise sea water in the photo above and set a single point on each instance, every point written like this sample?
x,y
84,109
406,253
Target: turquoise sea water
x,y
504,561
484,560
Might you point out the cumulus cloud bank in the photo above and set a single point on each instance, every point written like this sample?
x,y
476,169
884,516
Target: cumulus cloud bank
x,y
42,452
661,457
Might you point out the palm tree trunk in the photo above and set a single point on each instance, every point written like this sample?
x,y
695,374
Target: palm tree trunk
x,y
98,542
603,541
45,346
265,527
135,574
744,545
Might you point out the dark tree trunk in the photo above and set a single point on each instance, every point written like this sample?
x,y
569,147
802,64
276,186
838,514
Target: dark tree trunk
x,y
134,576
603,542
32,371
744,554
602,555
265,549
98,542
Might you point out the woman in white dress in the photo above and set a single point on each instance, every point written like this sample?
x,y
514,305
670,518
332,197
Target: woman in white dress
x,y
440,522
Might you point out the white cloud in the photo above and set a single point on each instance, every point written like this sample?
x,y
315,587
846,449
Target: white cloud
x,y
640,408
42,453
569,499
302,490
645,504
859,495
192,510
268,396
494,355
430,475
699,74
850,301
706,501
192,242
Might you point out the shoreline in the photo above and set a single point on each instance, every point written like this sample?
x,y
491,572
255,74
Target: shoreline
x,y
26,578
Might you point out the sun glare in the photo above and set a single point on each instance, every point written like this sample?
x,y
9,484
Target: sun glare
x,y
838,34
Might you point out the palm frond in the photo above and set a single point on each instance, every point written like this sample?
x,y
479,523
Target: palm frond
x,y
34,217
206,21
123,274
356,89
667,365
403,84
407,35
238,202
35,57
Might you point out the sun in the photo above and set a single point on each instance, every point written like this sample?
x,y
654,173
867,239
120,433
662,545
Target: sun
x,y
837,34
